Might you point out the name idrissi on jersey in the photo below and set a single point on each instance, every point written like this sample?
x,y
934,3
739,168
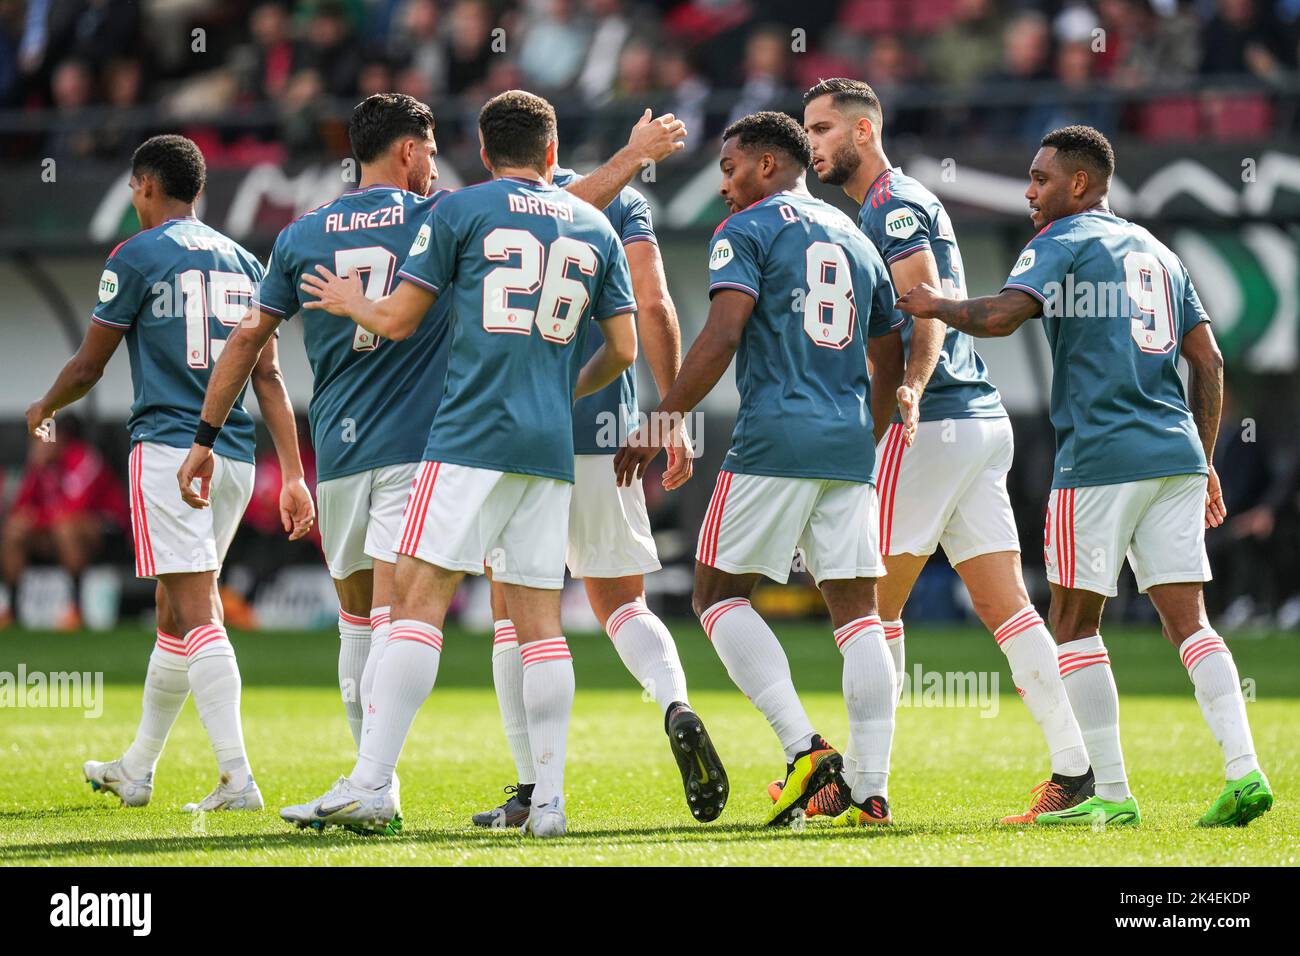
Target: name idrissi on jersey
x,y
393,215
537,206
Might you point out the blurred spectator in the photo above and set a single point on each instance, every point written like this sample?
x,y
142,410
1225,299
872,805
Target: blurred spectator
x,y
554,47
970,46
1143,47
1244,38
69,500
273,51
765,84
417,44
124,87
331,51
1026,56
613,28
1081,100
470,51
688,94
72,88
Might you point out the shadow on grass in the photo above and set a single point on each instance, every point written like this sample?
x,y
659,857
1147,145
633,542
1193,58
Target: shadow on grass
x,y
725,835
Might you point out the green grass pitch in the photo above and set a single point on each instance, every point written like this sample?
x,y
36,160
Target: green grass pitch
x,y
955,770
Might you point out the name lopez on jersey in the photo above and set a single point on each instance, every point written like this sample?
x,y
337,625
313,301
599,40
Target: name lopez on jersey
x,y
393,215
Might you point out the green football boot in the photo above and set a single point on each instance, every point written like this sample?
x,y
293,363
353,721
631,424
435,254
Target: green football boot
x,y
811,770
1094,812
1241,801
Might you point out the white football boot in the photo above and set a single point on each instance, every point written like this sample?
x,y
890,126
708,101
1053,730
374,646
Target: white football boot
x,y
225,797
111,776
350,806
547,820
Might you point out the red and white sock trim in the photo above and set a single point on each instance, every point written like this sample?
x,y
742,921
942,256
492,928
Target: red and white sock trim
x,y
893,629
1018,623
503,633
711,615
203,636
547,649
379,616
418,631
356,620
850,631
1200,646
170,644
1071,661
624,614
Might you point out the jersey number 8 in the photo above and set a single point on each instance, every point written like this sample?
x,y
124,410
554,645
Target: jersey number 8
x,y
828,310
562,300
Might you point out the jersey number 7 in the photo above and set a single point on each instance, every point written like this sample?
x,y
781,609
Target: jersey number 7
x,y
375,265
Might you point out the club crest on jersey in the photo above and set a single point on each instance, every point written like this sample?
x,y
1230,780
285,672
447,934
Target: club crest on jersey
x,y
901,223
108,286
1025,262
720,255
421,241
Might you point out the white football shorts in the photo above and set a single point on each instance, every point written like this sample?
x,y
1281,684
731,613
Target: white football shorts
x,y
609,528
360,515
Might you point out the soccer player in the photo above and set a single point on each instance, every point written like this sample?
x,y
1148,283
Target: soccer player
x,y
174,291
944,461
610,543
528,267
801,299
373,400
1132,459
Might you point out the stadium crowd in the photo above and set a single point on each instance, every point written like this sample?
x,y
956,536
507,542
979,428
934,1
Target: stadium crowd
x,y
1161,70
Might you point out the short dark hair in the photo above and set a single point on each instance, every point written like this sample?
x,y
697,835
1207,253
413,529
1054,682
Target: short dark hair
x,y
176,162
516,127
380,120
842,90
771,130
1084,147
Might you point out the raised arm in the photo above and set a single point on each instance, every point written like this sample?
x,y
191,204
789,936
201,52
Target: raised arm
x,y
652,141
705,363
77,377
989,316
395,316
886,354
926,342
1205,395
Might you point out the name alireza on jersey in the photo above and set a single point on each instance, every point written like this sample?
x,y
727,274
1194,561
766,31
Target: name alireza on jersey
x,y
394,215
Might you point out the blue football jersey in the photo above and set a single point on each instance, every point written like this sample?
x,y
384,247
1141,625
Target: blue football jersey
x,y
801,369
178,290
902,217
1116,304
601,421
526,266
372,400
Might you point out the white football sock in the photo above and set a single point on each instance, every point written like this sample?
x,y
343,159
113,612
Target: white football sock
x,y
166,685
648,651
380,625
1213,672
758,666
548,701
354,648
1031,652
897,651
870,694
508,679
215,683
403,681
1090,685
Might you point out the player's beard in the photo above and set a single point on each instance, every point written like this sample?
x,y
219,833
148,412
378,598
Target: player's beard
x,y
843,164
